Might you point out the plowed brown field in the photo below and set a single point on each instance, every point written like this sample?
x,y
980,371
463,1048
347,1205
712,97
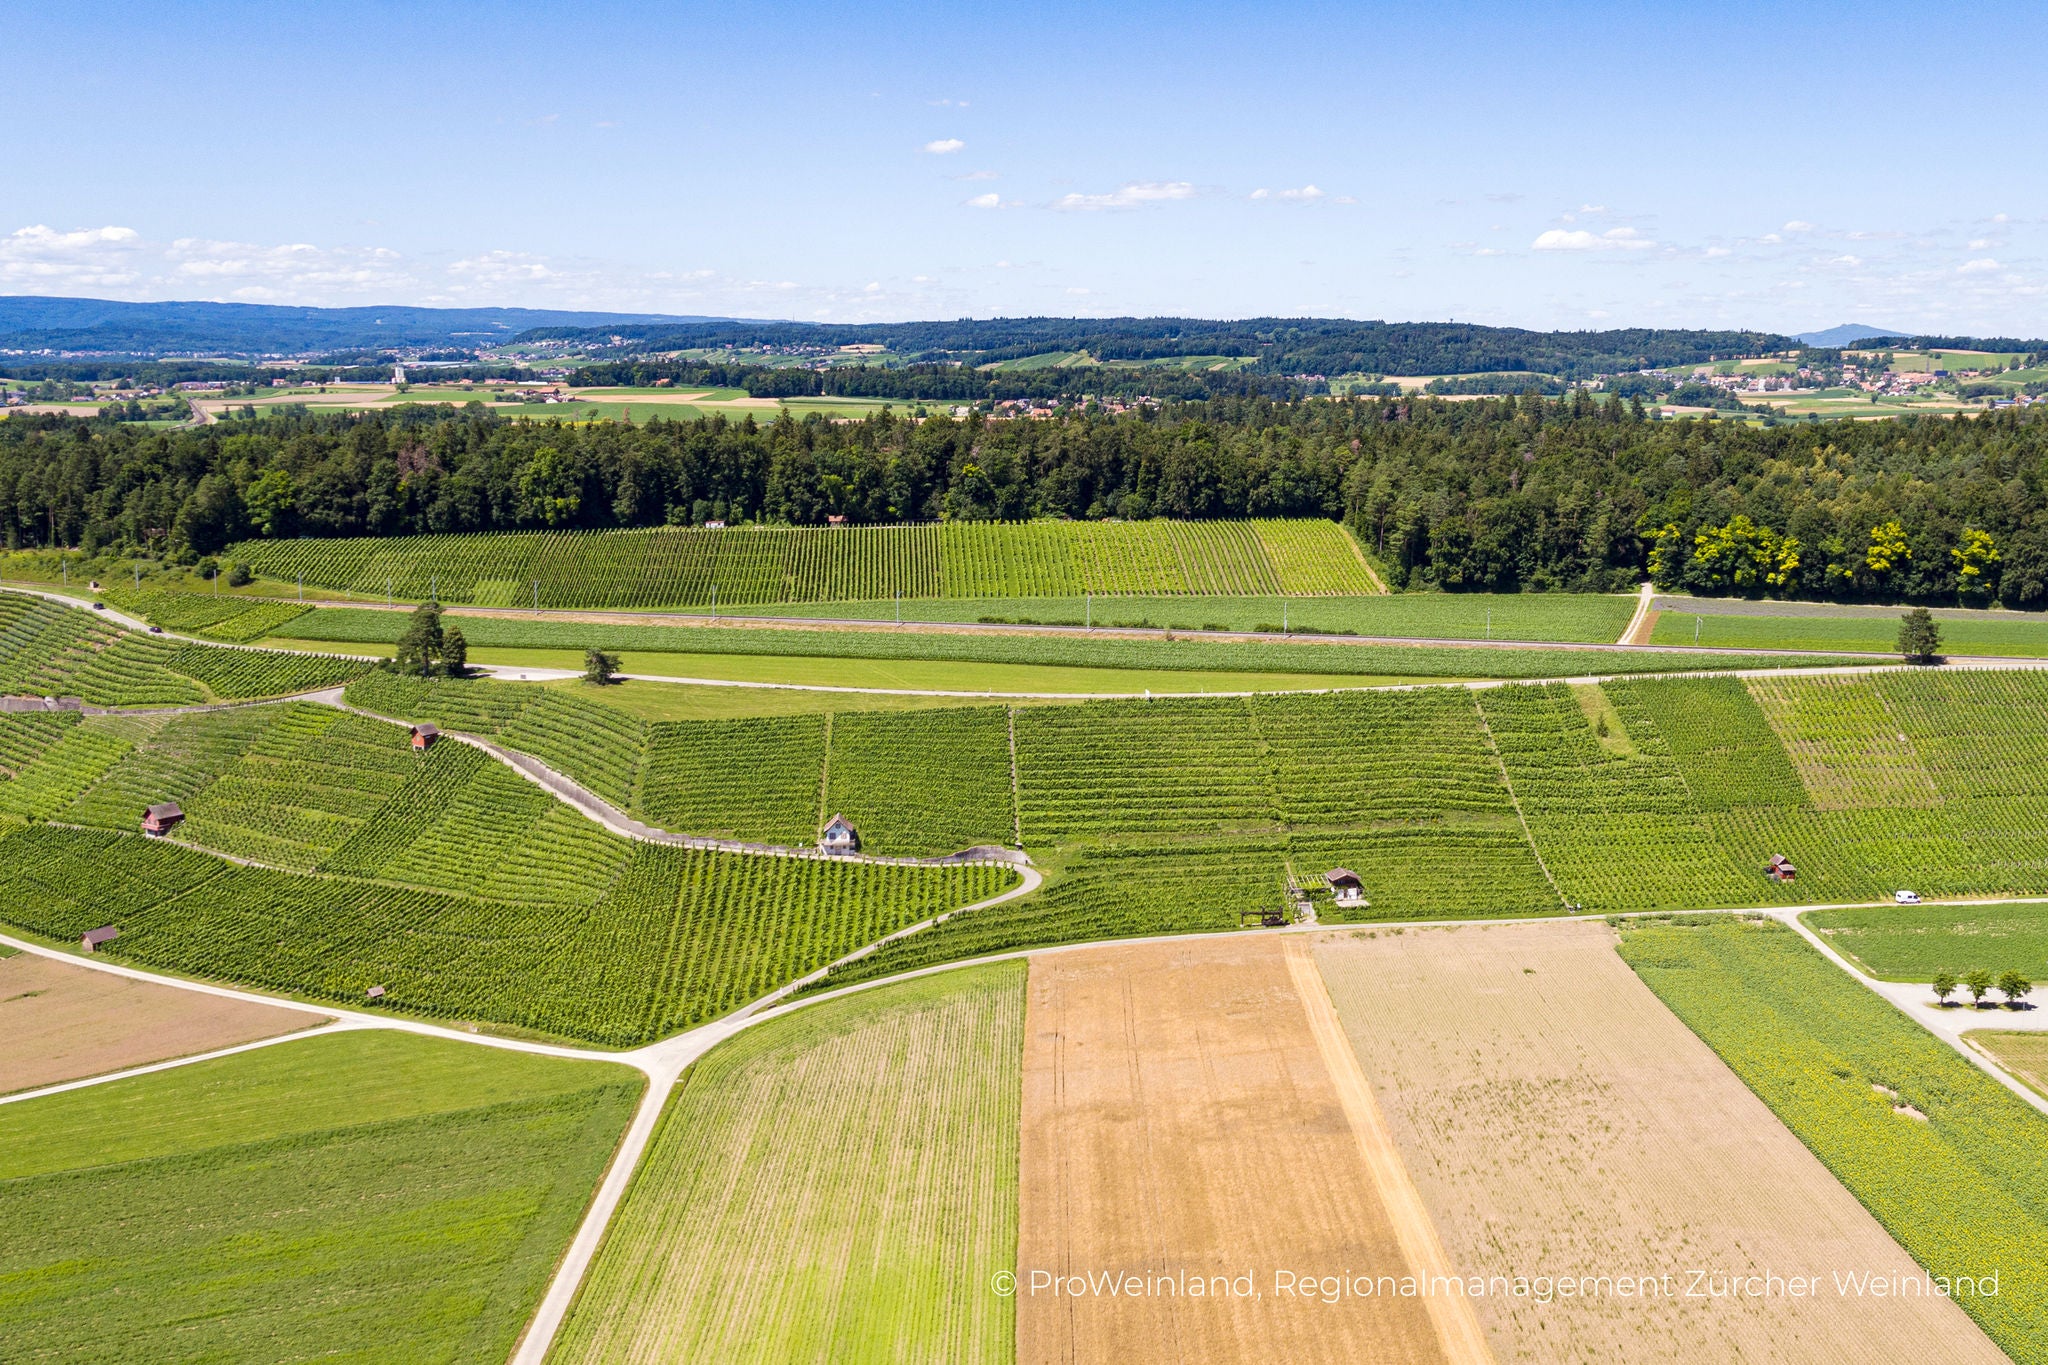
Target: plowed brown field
x,y
1558,1120
1181,1125
63,1023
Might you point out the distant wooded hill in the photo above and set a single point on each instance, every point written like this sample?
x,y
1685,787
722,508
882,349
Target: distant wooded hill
x,y
1279,346
29,322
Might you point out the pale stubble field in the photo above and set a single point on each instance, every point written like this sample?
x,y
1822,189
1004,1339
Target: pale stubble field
x,y
1559,1120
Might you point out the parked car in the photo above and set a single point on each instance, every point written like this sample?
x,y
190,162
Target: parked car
x,y
1906,897
99,606
156,630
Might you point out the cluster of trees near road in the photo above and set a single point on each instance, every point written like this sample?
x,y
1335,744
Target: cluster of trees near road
x,y
1495,494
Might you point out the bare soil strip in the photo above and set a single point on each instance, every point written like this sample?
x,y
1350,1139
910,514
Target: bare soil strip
x,y
1457,1327
1180,1126
64,1023
1559,1121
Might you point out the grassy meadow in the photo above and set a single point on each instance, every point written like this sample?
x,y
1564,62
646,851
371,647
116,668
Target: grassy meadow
x,y
840,1183
344,1196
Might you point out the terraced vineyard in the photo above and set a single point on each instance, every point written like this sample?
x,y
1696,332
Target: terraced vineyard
x,y
462,888
1959,1181
681,567
52,650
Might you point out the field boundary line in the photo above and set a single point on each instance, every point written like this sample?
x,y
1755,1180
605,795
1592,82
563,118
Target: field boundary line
x,y
1457,1326
318,1028
1372,575
1528,835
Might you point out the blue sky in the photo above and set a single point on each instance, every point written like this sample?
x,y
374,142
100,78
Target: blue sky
x,y
1568,165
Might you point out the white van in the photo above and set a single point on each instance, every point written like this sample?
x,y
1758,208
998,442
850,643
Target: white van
x,y
1906,897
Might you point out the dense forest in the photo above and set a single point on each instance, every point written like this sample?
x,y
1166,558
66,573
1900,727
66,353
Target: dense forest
x,y
1488,494
948,383
1279,346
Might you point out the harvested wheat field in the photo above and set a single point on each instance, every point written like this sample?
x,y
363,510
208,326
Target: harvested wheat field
x,y
1182,1125
1560,1121
63,1023
2025,1055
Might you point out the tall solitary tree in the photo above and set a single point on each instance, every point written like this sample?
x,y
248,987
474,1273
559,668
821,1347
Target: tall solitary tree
x,y
421,644
1919,637
599,667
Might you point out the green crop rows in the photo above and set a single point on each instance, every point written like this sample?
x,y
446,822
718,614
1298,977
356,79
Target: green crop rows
x,y
52,650
239,619
924,781
289,1203
1913,942
1581,618
1963,1190
461,887
838,1184
362,626
679,567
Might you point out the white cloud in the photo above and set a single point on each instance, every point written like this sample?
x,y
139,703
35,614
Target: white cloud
x,y
1981,244
944,146
497,268
1592,208
1307,194
975,175
40,259
1490,251
1345,199
1977,267
991,200
1845,260
1797,225
1131,195
873,287
1717,251
1579,239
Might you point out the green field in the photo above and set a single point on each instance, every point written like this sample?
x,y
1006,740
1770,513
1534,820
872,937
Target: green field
x,y
1913,942
52,650
359,626
914,675
1577,618
681,567
1963,1189
1875,632
837,1184
336,1197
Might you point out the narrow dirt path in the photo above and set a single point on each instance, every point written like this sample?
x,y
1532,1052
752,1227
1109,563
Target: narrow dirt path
x,y
1645,619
